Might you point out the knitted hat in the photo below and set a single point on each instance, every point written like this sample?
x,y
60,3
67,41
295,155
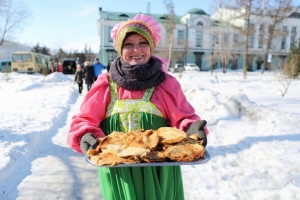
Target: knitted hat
x,y
142,24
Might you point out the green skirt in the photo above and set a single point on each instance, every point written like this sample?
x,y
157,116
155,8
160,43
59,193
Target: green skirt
x,y
141,183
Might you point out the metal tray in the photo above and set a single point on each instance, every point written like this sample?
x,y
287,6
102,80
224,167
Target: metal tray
x,y
145,164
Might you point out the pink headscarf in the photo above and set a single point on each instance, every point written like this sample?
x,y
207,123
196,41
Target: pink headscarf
x,y
144,25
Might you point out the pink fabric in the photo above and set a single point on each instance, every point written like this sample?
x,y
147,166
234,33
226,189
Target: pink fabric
x,y
168,97
150,21
164,62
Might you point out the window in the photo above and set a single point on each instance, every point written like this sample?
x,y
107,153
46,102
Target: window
x,y
284,29
261,27
123,15
111,55
295,15
225,38
292,42
260,40
21,57
200,24
283,40
235,37
199,39
251,39
109,37
180,37
215,39
294,29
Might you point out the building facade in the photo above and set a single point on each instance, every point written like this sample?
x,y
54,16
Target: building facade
x,y
9,47
209,41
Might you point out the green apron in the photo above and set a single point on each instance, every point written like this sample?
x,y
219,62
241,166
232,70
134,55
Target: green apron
x,y
137,183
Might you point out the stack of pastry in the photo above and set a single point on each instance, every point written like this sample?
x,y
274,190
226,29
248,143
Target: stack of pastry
x,y
163,145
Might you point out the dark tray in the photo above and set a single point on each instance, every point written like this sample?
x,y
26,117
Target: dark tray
x,y
145,164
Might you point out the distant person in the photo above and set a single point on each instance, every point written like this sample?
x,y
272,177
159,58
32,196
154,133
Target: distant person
x,y
88,74
107,67
98,66
79,78
55,67
77,61
70,67
60,67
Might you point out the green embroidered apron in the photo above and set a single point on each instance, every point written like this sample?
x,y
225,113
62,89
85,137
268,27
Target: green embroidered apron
x,y
137,183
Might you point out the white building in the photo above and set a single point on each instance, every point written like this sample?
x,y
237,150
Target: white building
x,y
207,40
8,48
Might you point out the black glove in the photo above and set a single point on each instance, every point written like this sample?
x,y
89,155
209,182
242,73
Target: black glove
x,y
87,141
197,127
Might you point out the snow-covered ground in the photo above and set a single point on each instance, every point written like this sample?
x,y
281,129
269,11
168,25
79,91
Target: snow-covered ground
x,y
254,139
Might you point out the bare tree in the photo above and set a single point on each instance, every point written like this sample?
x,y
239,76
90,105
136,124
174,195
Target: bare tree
x,y
282,82
221,31
12,18
239,14
246,10
170,25
289,70
278,11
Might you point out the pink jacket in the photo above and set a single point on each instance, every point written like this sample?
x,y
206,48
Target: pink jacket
x,y
168,97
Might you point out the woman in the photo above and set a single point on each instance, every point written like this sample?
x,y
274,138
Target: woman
x,y
136,93
88,74
79,78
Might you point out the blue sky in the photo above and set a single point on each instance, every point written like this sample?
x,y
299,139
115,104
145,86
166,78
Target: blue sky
x,y
71,24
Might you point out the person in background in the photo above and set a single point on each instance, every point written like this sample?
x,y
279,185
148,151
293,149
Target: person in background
x,y
79,78
55,67
107,67
88,74
98,66
135,78
60,67
77,61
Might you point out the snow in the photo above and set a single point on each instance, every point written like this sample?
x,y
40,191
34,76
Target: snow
x,y
254,139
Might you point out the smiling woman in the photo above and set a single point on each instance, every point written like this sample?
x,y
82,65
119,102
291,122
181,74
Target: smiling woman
x,y
138,93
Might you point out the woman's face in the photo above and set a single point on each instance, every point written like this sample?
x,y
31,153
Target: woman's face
x,y
136,50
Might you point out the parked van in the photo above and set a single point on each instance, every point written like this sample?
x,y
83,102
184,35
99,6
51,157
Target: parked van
x,y
5,66
69,65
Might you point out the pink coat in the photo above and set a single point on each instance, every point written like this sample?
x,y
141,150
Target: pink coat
x,y
168,97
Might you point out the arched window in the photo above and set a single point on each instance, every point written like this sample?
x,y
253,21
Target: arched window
x,y
123,15
295,15
200,24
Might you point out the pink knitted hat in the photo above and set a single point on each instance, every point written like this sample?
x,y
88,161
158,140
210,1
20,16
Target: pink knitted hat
x,y
142,24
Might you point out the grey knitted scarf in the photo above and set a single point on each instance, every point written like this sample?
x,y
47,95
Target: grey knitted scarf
x,y
137,77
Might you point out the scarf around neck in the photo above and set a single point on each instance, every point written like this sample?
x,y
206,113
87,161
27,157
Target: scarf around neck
x,y
137,77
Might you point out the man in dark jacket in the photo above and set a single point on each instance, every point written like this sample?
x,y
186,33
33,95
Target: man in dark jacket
x,y
88,74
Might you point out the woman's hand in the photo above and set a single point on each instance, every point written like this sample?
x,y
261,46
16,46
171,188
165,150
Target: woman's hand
x,y
87,141
197,127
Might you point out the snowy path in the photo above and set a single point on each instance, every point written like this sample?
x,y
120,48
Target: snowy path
x,y
52,169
